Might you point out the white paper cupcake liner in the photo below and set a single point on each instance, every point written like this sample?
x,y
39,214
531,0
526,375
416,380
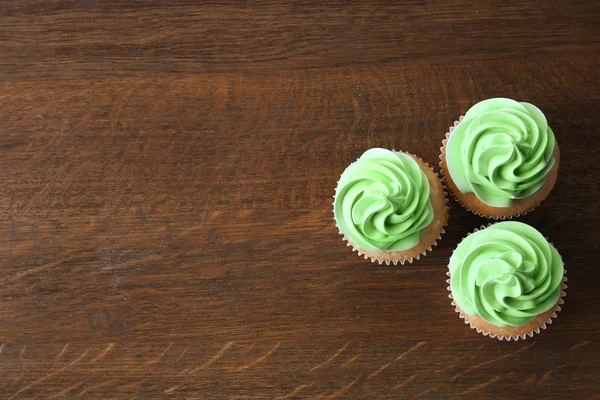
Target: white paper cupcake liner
x,y
509,337
374,259
388,262
454,196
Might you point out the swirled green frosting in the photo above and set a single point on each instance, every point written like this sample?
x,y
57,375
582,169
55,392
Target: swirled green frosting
x,y
502,150
382,201
507,274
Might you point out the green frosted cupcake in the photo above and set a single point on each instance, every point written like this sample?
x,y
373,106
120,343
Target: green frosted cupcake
x,y
390,206
507,280
501,159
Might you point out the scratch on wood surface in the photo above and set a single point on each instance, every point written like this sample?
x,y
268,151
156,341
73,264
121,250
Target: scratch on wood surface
x,y
132,385
374,374
30,271
214,358
102,353
1,348
160,356
248,349
444,370
547,374
171,390
485,384
343,390
410,350
188,230
49,375
578,345
259,359
433,389
350,361
406,382
294,392
182,353
337,353
65,391
62,351
529,381
132,262
116,111
17,379
95,387
415,347
492,361
157,101
22,351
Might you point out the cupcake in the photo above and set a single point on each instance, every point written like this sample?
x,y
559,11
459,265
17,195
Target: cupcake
x,y
501,159
506,280
390,206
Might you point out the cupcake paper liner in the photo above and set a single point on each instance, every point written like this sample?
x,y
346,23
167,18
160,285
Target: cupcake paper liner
x,y
388,262
373,258
508,338
454,196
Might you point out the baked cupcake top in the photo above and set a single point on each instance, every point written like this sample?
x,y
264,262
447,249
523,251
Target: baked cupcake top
x,y
502,150
382,201
507,274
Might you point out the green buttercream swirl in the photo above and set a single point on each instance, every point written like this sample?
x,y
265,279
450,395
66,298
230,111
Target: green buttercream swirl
x,y
507,274
382,201
502,150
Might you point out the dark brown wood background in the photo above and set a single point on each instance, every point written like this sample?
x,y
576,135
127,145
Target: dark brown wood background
x,y
166,173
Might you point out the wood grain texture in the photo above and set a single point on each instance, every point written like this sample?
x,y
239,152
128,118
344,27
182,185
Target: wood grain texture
x,y
166,174
83,38
301,369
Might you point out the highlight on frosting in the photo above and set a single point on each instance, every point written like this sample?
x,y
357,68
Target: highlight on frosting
x,y
507,274
502,150
382,201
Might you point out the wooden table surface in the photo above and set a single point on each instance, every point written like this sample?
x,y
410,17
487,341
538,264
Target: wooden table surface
x,y
166,173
